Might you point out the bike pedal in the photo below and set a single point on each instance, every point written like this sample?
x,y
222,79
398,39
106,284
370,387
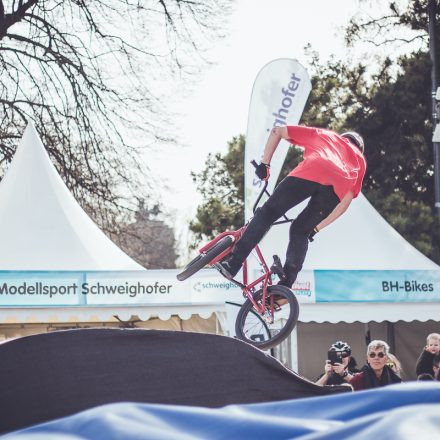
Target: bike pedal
x,y
276,306
277,267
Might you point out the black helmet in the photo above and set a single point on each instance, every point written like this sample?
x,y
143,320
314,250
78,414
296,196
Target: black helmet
x,y
355,138
341,346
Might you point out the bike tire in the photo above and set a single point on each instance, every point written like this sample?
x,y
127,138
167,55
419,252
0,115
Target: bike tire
x,y
275,337
203,259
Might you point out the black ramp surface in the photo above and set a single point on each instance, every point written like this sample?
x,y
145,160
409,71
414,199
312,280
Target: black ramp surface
x,y
52,375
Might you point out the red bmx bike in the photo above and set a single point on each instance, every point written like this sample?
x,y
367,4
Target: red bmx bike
x,y
261,313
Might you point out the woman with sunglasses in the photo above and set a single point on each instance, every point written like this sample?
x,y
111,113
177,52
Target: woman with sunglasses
x,y
375,373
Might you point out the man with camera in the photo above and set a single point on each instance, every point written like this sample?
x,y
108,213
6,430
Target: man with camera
x,y
340,366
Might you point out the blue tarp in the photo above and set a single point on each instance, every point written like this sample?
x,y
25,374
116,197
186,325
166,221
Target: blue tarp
x,y
403,411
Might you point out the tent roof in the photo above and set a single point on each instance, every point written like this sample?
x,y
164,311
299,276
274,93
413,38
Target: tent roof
x,y
42,227
32,315
361,239
368,311
323,312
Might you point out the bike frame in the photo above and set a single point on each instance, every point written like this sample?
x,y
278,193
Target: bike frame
x,y
247,287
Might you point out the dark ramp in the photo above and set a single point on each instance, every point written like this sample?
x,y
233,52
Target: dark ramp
x,y
52,375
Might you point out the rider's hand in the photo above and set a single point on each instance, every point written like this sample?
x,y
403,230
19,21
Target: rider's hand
x,y
312,234
262,170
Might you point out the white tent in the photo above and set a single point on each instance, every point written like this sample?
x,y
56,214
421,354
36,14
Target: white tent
x,y
42,227
362,239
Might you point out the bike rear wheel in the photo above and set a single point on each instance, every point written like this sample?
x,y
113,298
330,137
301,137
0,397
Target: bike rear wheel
x,y
203,259
279,324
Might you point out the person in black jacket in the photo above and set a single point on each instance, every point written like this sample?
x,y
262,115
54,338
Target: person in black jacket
x,y
426,358
436,367
375,373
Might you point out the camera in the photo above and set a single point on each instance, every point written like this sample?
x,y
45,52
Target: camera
x,y
334,357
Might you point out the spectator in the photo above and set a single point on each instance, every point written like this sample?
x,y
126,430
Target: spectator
x,y
375,373
436,366
394,364
424,376
425,360
339,373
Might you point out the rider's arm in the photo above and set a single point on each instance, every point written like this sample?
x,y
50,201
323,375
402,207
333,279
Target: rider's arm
x,y
337,212
276,134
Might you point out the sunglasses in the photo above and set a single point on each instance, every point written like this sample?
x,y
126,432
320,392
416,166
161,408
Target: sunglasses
x,y
373,355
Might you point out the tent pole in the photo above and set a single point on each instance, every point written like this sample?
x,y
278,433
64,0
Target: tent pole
x,y
432,9
294,349
367,334
390,336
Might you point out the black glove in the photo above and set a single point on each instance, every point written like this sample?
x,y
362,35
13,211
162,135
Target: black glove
x,y
262,171
312,234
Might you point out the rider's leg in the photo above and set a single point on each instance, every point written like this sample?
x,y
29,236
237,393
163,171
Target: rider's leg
x,y
287,194
319,207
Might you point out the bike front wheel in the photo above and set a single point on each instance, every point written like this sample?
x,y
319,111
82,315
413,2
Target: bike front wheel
x,y
274,326
203,259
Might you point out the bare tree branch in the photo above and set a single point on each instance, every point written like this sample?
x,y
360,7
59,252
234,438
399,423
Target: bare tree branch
x,y
88,74
405,22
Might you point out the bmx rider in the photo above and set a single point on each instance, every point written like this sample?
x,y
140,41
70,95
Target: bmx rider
x,y
331,174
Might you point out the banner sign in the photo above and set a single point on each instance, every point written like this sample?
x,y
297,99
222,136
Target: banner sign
x,y
101,288
43,289
160,287
278,98
377,285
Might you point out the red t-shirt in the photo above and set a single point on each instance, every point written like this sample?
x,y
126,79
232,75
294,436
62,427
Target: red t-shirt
x,y
329,159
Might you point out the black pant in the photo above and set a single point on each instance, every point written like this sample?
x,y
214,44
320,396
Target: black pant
x,y
290,192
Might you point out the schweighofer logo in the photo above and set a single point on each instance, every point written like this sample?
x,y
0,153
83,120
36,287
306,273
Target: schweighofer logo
x,y
287,101
201,286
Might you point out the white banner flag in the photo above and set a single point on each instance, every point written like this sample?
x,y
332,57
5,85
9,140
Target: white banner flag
x,y
278,98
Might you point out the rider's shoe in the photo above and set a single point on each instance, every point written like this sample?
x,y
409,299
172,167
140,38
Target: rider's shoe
x,y
277,268
227,268
290,274
286,280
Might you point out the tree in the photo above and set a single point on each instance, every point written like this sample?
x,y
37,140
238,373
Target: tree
x,y
221,184
149,240
87,75
403,22
396,121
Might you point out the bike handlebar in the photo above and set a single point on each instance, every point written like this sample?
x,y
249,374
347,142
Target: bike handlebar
x,y
265,191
